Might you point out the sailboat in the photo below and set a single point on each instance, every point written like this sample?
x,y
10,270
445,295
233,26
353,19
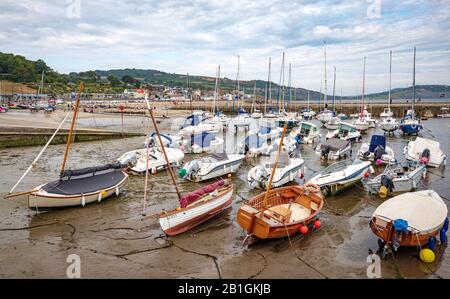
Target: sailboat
x,y
410,124
389,124
282,211
218,117
361,123
256,113
334,122
75,186
195,207
325,115
308,113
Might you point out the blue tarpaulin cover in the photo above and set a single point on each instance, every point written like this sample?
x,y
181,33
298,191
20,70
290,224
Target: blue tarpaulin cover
x,y
376,141
400,225
202,139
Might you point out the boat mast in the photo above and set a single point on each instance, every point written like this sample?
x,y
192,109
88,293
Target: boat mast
x,y
325,102
163,149
69,138
270,83
216,105
290,86
237,80
215,91
254,97
189,92
364,82
308,102
267,90
334,88
274,167
390,78
414,81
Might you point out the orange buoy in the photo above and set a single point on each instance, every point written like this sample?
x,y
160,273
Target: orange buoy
x,y
366,175
317,224
304,229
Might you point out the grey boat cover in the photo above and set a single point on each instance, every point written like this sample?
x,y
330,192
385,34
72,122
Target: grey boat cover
x,y
220,156
87,184
283,160
87,170
334,144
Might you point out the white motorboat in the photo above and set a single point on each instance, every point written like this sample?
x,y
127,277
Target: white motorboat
x,y
267,132
345,131
256,114
308,114
341,175
216,165
253,146
306,133
334,149
444,112
287,170
333,123
137,159
425,151
210,127
168,140
397,178
289,146
203,142
218,119
377,150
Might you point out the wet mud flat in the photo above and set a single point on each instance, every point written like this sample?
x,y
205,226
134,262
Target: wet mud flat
x,y
113,240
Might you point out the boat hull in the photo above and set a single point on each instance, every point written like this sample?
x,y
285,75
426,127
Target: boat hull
x,y
410,129
179,221
254,222
42,199
400,185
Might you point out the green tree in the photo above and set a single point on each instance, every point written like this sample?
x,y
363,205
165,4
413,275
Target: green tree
x,y
114,81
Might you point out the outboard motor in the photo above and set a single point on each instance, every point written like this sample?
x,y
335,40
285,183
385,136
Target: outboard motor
x,y
425,157
260,176
386,186
191,169
129,160
325,152
366,155
378,152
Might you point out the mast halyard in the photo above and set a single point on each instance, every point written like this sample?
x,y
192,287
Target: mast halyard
x,y
390,79
334,89
414,83
325,101
363,90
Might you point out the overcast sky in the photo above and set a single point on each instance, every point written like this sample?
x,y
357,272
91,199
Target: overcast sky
x,y
195,36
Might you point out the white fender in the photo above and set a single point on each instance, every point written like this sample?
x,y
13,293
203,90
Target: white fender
x,y
99,197
83,200
117,191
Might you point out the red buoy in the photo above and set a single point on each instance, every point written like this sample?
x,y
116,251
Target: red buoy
x,y
366,175
304,229
317,224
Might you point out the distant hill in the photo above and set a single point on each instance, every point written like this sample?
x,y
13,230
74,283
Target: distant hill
x,y
16,68
226,84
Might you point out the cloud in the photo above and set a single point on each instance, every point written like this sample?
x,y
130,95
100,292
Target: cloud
x,y
196,35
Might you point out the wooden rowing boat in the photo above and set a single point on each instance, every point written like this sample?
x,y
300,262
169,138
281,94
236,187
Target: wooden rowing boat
x,y
195,207
280,212
287,209
409,219
202,208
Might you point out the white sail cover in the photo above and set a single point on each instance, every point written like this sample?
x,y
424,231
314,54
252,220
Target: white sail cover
x,y
425,211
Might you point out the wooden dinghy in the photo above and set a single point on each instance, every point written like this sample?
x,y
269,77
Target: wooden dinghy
x,y
409,219
280,212
285,211
197,207
79,187
74,187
